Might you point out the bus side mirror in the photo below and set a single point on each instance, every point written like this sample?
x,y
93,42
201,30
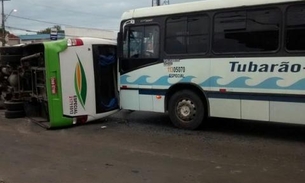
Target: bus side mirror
x,y
120,45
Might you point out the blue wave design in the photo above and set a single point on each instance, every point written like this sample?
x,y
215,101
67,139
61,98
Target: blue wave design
x,y
163,81
299,85
142,80
270,83
211,82
123,79
238,83
187,79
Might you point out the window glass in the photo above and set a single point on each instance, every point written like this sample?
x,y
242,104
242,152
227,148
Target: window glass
x,y
295,28
151,42
197,44
135,41
141,47
104,62
197,25
142,42
187,35
246,31
175,45
176,26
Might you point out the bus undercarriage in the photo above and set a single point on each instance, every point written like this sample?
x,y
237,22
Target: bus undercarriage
x,y
22,81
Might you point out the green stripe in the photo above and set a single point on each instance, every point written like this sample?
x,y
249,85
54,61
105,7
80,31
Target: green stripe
x,y
52,50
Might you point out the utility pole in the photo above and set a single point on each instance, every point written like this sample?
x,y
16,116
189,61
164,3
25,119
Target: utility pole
x,y
3,23
155,3
166,2
158,2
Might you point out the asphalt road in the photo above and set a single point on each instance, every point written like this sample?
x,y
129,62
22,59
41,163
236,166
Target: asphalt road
x,y
149,149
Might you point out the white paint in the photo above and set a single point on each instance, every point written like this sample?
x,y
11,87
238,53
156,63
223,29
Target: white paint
x,y
68,61
225,108
287,112
129,99
158,104
146,102
195,7
255,110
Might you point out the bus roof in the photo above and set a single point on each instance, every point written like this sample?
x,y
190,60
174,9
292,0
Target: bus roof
x,y
196,6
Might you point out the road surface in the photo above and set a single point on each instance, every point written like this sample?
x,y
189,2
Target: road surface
x,y
148,149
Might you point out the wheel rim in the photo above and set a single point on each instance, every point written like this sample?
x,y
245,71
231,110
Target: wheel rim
x,y
186,110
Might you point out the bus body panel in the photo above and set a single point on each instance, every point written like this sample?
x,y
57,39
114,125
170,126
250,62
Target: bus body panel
x,y
52,50
197,6
239,88
77,83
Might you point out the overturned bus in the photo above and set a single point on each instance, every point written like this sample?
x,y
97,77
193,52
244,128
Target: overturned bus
x,y
60,83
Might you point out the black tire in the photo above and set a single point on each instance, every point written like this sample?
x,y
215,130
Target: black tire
x,y
1,104
14,114
14,106
186,110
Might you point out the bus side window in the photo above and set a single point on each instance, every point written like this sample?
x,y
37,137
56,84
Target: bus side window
x,y
135,42
142,42
151,42
295,28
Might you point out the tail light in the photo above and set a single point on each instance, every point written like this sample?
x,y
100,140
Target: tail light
x,y
53,86
81,119
75,42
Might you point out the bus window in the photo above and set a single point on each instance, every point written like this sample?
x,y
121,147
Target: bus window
x,y
176,29
140,47
247,31
135,42
187,35
104,62
142,42
295,28
151,42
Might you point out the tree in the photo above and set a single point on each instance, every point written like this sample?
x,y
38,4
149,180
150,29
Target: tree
x,y
48,30
2,37
1,31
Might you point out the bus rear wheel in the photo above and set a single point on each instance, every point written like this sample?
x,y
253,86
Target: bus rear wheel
x,y
186,110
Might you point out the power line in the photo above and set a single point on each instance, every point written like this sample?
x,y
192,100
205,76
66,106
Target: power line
x,y
22,29
41,21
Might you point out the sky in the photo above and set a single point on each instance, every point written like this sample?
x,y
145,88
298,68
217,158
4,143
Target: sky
x,y
36,15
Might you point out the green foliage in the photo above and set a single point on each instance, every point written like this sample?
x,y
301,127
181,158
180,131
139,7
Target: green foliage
x,y
7,32
48,30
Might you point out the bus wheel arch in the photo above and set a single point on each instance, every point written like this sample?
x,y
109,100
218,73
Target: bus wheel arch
x,y
188,96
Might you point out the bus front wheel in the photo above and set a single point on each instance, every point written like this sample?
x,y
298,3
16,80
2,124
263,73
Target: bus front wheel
x,y
186,109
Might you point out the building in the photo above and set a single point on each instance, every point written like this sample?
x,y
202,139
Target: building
x,y
12,40
72,32
38,38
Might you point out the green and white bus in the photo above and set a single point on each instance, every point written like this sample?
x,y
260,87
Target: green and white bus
x,y
235,59
60,83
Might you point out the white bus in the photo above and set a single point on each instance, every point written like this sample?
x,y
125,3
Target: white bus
x,y
236,59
